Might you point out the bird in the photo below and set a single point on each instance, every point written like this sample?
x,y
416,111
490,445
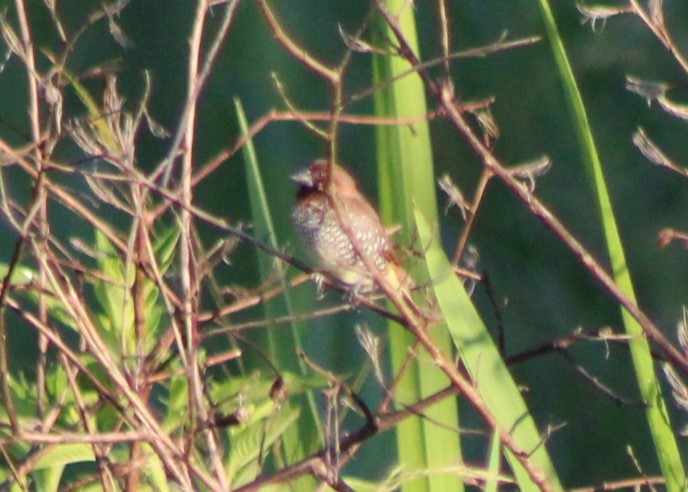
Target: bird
x,y
329,210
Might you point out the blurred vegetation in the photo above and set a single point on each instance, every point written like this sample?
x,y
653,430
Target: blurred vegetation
x,y
538,291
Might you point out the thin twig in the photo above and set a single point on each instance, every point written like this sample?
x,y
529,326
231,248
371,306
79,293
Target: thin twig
x,y
297,51
189,279
446,99
470,220
420,329
661,33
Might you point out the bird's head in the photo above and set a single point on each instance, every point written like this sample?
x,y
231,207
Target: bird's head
x,y
315,178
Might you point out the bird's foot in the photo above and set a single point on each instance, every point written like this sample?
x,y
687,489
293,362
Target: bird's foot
x,y
353,296
319,280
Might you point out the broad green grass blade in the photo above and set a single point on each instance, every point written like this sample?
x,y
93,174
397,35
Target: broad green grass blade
x,y
48,479
65,454
493,466
481,358
655,408
282,344
406,176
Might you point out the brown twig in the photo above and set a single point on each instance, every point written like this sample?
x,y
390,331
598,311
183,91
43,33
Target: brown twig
x,y
446,99
189,279
472,213
656,24
348,444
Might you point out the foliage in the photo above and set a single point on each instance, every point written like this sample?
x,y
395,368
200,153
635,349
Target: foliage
x,y
160,330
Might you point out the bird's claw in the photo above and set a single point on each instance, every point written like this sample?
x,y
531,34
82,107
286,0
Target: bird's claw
x,y
353,296
319,280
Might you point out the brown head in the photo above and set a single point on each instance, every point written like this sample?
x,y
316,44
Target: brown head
x,y
327,232
314,178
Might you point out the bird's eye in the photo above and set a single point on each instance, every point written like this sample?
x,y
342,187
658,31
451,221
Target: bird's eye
x,y
319,176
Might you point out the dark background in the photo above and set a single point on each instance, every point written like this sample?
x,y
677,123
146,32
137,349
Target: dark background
x,y
544,292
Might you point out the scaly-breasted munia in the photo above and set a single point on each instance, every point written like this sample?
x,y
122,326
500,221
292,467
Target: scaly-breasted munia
x,y
321,227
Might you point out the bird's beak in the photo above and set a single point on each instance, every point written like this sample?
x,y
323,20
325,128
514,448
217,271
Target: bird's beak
x,y
303,178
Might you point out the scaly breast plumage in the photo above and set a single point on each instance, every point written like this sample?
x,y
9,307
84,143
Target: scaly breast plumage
x,y
319,226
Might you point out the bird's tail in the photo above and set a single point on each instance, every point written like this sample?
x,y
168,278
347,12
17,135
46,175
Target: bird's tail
x,y
400,281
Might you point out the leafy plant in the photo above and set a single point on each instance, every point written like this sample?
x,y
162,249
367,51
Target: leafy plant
x,y
160,329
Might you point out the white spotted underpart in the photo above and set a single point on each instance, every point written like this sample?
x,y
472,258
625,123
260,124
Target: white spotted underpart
x,y
317,223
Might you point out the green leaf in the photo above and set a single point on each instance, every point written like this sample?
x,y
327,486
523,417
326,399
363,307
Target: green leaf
x,y
21,275
663,436
154,471
64,454
406,177
481,358
48,479
176,403
247,440
492,485
114,295
282,344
